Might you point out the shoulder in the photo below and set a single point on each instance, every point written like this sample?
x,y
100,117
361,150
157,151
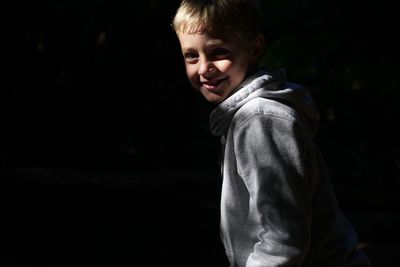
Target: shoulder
x,y
266,123
264,109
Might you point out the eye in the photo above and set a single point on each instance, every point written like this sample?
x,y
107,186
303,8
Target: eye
x,y
220,53
190,57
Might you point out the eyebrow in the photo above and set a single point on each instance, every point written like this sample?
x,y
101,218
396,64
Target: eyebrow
x,y
188,49
214,42
210,43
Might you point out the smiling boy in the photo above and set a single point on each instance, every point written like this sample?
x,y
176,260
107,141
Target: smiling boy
x,y
216,65
278,207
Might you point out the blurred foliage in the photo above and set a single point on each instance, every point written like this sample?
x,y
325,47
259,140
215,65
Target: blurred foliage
x,y
100,85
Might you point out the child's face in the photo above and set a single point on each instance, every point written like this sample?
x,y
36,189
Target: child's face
x,y
215,65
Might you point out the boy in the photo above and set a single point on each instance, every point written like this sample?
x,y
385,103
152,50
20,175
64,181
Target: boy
x,y
277,204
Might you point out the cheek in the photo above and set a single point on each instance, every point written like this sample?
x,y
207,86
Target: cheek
x,y
240,69
224,66
191,73
233,66
236,69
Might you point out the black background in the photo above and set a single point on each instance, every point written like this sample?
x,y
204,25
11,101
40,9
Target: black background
x,y
106,154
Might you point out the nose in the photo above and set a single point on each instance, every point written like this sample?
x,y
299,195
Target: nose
x,y
205,66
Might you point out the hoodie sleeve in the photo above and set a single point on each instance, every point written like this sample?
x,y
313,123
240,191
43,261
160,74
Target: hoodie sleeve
x,y
271,151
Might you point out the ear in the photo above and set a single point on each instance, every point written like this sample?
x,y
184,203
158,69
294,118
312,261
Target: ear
x,y
258,48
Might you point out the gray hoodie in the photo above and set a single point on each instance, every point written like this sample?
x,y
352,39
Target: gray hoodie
x,y
278,207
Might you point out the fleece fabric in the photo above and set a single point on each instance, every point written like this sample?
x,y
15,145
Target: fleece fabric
x,y
278,207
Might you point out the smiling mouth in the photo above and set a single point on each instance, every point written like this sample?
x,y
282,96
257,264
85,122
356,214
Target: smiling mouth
x,y
211,85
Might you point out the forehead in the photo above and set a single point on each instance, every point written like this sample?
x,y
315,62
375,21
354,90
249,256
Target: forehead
x,y
188,40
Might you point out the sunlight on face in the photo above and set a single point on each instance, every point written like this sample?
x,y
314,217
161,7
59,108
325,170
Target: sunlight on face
x,y
215,65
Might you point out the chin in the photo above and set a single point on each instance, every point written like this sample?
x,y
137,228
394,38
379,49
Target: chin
x,y
213,98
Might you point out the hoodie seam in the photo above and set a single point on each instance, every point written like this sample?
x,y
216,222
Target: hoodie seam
x,y
267,114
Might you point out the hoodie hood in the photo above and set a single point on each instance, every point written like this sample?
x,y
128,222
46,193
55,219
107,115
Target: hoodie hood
x,y
267,85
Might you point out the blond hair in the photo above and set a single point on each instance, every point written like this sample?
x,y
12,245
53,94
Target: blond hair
x,y
218,16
